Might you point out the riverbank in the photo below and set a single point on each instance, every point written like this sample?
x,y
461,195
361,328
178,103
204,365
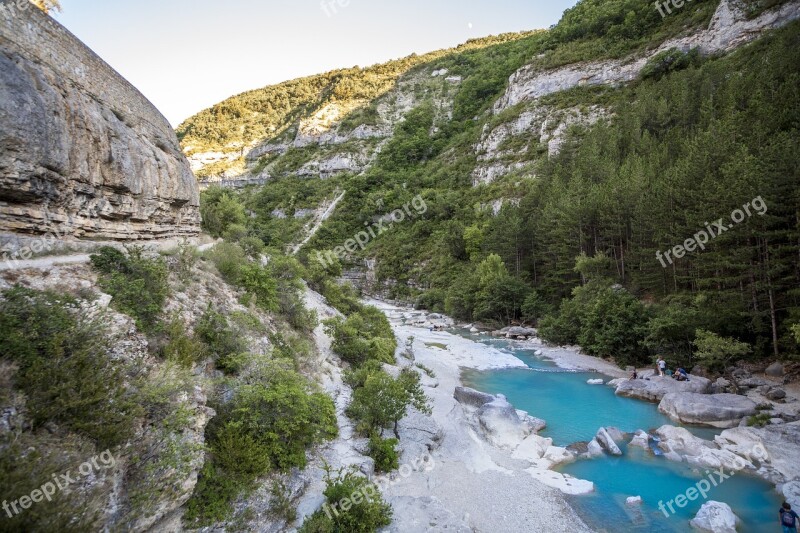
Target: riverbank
x,y
495,368
471,484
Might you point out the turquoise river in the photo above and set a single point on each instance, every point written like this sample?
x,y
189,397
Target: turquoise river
x,y
575,410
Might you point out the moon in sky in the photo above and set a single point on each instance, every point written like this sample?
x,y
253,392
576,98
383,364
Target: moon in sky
x,y
469,25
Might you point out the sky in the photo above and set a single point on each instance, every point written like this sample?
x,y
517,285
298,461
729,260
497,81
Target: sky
x,y
187,55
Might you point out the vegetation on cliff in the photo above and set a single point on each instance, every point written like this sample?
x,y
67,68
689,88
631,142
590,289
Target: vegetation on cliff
x,y
686,144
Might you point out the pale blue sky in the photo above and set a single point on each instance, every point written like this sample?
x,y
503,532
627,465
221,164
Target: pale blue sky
x,y
186,55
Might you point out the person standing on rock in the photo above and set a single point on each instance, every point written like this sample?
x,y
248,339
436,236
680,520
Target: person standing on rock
x,y
662,366
788,518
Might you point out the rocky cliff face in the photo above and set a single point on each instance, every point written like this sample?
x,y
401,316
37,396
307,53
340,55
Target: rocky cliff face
x,y
728,29
81,150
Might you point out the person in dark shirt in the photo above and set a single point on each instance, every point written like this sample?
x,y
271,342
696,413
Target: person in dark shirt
x,y
788,518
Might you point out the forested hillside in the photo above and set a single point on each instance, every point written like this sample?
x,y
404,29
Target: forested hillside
x,y
580,236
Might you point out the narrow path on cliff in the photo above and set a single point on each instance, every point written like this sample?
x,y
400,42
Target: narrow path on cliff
x,y
44,262
318,224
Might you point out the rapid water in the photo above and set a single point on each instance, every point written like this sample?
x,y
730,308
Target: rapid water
x,y
575,410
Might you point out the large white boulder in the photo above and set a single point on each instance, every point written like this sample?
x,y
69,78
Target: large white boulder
x,y
656,387
775,448
678,444
791,493
715,410
605,439
640,440
715,517
501,424
472,397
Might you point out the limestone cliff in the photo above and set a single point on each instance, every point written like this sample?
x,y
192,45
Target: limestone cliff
x,y
81,150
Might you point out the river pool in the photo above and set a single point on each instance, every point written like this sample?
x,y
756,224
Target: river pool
x,y
575,410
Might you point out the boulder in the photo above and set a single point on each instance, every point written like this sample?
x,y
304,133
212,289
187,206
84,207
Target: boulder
x,y
594,449
640,440
419,435
721,385
715,517
517,331
656,387
714,410
595,381
775,448
776,394
501,424
679,445
606,441
633,500
532,448
472,397
791,493
752,383
775,370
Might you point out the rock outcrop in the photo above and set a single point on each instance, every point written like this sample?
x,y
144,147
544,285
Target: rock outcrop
x,y
82,152
729,29
606,438
715,517
775,447
472,397
502,425
656,387
715,410
679,445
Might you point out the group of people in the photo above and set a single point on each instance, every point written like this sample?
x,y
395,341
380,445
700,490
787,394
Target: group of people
x,y
661,368
680,374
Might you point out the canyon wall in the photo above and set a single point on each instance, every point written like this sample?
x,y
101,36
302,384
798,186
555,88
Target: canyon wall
x,y
82,152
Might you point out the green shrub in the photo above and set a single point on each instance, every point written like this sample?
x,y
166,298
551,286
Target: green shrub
x,y
384,452
26,463
225,343
760,420
716,352
383,400
64,367
364,335
138,285
259,282
220,209
432,300
606,321
366,513
186,258
265,426
213,496
614,326
342,297
275,421
669,60
238,449
181,347
228,258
